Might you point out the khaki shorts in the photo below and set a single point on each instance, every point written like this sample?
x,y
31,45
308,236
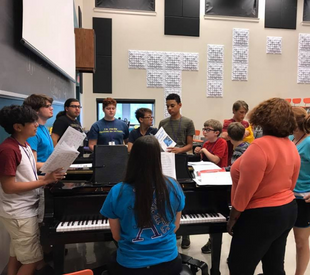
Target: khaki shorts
x,y
25,239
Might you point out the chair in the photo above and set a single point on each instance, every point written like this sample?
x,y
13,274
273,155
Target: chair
x,y
306,100
296,100
81,272
197,136
288,100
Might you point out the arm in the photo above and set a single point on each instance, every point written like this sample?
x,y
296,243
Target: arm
x,y
225,136
215,159
55,138
186,148
92,143
115,229
10,186
177,221
129,146
233,217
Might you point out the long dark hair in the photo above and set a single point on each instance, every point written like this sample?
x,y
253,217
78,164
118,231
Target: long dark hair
x,y
67,104
144,172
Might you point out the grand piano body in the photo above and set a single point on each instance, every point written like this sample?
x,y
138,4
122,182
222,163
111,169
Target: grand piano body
x,y
72,216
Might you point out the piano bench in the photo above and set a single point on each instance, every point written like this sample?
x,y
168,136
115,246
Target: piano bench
x,y
194,265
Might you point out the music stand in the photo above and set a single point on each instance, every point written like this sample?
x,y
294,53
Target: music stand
x,y
109,164
181,168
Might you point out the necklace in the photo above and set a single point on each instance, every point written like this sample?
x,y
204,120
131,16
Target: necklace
x,y
299,139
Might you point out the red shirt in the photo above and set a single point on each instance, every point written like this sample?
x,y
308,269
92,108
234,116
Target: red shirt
x,y
229,144
217,148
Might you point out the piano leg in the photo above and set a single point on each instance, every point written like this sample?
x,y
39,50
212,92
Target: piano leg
x,y
59,258
216,247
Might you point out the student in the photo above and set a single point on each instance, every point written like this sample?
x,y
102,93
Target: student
x,y
301,139
66,118
235,132
19,192
108,130
181,129
41,144
144,213
145,118
240,109
215,148
264,209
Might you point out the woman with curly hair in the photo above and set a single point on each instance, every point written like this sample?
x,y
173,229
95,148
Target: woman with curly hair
x,y
263,203
301,139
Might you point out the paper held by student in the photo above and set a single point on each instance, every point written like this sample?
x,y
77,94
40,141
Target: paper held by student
x,y
168,164
164,139
65,152
72,137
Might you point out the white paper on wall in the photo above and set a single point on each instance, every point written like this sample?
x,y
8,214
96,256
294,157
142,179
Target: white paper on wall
x,y
240,55
215,53
304,42
215,71
155,60
136,59
155,78
304,59
239,72
274,45
168,91
214,88
240,37
303,72
173,79
190,61
173,61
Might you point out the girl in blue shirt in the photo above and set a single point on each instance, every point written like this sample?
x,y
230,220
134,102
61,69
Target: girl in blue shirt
x,y
301,138
144,213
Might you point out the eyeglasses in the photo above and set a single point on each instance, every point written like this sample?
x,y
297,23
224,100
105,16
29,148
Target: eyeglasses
x,y
208,130
76,106
48,106
148,117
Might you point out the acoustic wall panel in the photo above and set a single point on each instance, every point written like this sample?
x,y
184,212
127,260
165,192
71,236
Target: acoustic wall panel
x,y
281,14
102,78
182,17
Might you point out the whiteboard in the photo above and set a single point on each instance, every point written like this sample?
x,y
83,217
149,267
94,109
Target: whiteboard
x,y
48,30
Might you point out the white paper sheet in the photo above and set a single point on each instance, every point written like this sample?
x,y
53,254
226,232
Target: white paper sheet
x,y
215,178
164,139
168,164
72,138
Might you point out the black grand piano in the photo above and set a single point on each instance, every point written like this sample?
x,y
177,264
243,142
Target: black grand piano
x,y
72,216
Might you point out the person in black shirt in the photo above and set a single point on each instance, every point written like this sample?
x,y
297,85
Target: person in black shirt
x,y
66,118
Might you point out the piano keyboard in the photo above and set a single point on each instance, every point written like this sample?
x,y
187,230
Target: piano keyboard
x,y
202,218
103,223
95,224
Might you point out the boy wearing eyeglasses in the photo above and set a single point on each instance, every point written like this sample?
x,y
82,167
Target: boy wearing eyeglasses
x,y
145,118
215,148
66,118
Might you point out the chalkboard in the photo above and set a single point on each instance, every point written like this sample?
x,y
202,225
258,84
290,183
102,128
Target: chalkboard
x,y
21,71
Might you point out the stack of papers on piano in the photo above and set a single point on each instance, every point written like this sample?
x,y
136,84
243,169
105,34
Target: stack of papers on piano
x,y
208,173
65,151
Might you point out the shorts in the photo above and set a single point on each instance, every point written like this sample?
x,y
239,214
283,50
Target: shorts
x,y
303,218
25,239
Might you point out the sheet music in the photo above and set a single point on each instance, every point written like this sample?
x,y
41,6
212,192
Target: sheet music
x,y
168,164
164,139
62,157
215,178
72,137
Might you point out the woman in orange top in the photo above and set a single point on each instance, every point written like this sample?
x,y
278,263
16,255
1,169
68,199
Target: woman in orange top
x,y
263,206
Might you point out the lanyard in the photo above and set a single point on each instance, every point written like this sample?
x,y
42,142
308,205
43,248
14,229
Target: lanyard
x,y
175,136
30,158
211,149
110,132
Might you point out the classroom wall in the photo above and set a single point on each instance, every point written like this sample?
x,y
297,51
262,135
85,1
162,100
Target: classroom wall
x,y
269,75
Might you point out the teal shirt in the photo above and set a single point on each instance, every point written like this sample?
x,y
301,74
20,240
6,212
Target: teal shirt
x,y
303,181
